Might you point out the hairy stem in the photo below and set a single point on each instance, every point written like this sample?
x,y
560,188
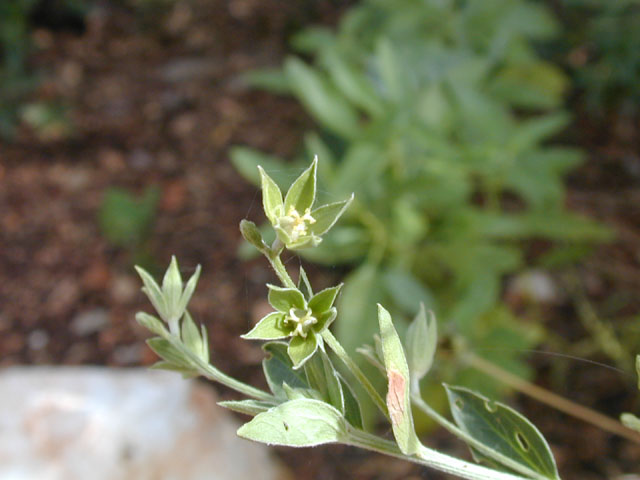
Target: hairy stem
x,y
276,263
212,373
428,457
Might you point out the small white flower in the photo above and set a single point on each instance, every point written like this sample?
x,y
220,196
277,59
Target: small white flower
x,y
296,225
302,319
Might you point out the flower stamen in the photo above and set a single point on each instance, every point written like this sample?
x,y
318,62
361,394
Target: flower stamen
x,y
302,319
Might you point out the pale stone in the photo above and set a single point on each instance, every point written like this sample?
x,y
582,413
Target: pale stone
x,y
77,423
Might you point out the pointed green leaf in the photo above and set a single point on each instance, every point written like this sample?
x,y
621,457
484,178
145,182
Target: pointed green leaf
x,y
283,299
323,378
153,292
191,337
304,286
270,327
334,387
297,423
323,301
168,352
271,197
189,289
314,371
422,337
302,192
248,407
352,409
205,343
278,369
398,394
172,289
503,429
327,215
301,349
151,323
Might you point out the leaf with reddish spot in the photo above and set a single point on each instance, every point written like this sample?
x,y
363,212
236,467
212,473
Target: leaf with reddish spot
x,y
398,400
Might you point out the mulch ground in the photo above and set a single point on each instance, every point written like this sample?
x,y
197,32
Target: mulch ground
x,y
156,99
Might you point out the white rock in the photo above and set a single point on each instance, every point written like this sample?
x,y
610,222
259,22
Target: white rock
x,y
120,424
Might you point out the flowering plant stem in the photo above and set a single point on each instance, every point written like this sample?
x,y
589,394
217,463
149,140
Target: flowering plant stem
x,y
212,373
327,336
427,456
362,439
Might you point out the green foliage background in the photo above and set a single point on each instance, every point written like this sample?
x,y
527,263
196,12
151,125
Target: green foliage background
x,y
437,115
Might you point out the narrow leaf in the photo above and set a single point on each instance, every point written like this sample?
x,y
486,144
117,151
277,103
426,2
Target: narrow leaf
x,y
302,192
503,429
248,407
422,337
191,336
153,292
352,409
189,289
296,423
271,197
168,352
327,215
398,395
322,377
172,288
151,323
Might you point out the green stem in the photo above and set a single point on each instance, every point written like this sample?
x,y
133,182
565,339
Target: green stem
x,y
426,456
417,401
355,370
212,373
276,263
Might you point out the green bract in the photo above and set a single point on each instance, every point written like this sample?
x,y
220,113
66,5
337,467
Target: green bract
x,y
296,224
297,318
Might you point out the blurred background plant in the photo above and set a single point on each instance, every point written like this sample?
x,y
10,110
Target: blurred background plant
x,y
437,115
603,43
49,120
126,221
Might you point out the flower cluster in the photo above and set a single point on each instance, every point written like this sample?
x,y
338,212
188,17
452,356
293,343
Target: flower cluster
x,y
297,317
297,224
